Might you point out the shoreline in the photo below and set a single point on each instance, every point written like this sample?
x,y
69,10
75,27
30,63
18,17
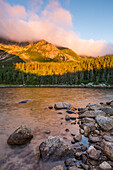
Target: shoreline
x,y
55,86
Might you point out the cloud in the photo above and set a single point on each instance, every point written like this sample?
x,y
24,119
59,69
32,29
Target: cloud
x,y
54,24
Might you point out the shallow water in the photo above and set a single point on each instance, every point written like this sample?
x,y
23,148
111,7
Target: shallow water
x,y
33,115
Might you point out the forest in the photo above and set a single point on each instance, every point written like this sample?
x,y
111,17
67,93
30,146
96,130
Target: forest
x,y
88,69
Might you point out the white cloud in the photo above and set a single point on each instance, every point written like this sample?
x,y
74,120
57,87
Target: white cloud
x,y
54,25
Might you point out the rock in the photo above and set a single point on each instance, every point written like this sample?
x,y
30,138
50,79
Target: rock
x,y
20,136
74,168
74,160
84,166
90,149
105,166
111,104
94,154
93,106
78,138
70,111
108,138
84,158
88,120
61,105
78,154
59,167
105,123
47,132
108,149
93,139
86,130
50,107
97,132
92,114
81,131
59,113
55,148
67,117
83,148
73,118
24,101
81,109
108,110
67,162
91,126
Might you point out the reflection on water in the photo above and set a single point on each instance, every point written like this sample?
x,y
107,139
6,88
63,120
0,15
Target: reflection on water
x,y
33,115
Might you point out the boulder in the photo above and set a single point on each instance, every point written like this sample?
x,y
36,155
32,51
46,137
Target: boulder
x,y
105,166
108,149
108,138
92,114
78,138
108,110
105,123
93,139
54,148
93,106
61,105
94,154
59,167
20,136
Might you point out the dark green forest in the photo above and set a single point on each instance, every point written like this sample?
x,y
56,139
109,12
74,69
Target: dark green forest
x,y
96,70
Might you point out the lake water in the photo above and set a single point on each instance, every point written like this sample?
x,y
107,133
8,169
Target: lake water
x,y
33,115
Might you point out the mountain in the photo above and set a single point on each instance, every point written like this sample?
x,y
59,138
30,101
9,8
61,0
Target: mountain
x,y
40,51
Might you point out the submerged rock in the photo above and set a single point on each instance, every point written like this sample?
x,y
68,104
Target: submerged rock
x,y
105,123
92,114
67,117
108,149
55,148
61,105
20,136
24,101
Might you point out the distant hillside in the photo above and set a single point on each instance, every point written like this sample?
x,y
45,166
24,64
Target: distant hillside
x,y
41,51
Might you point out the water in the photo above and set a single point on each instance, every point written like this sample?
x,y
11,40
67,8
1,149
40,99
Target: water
x,y
33,115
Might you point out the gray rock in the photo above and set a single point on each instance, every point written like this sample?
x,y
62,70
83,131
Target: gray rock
x,y
108,110
78,154
78,138
108,138
61,105
108,149
93,139
91,126
86,130
94,154
105,123
67,117
105,166
93,106
92,114
59,167
88,120
20,136
55,148
74,168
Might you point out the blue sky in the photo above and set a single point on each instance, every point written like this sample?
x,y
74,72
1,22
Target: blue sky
x,y
86,26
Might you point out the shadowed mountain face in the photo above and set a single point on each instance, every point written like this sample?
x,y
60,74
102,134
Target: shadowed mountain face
x,y
40,51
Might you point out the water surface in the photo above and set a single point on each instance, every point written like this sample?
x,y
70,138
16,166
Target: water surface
x,y
33,115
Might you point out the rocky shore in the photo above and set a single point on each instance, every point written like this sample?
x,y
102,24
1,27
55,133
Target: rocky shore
x,y
95,123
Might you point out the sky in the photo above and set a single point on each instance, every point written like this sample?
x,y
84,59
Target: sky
x,y
85,26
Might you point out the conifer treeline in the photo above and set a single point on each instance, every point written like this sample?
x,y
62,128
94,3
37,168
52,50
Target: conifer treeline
x,y
97,70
